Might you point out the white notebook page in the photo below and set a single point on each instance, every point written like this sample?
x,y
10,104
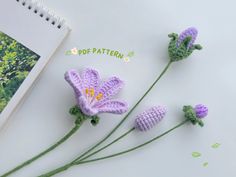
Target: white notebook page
x,y
22,21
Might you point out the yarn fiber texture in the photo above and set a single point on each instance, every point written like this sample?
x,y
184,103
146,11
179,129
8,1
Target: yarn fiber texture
x,y
93,95
201,111
181,46
149,118
195,114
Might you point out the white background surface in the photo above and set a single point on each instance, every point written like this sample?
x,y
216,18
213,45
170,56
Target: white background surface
x,y
206,77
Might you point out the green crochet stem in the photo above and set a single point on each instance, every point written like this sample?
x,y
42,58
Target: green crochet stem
x,y
65,167
136,147
127,115
121,122
104,147
68,135
69,165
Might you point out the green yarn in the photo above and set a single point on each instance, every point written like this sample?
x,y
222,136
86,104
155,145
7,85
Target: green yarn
x,y
54,146
182,51
94,120
80,117
191,115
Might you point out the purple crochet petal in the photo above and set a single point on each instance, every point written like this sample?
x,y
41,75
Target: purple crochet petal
x,y
73,78
109,89
91,78
115,107
91,98
149,118
86,107
190,32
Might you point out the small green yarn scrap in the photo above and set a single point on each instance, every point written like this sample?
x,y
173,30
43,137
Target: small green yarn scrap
x,y
215,146
205,164
196,154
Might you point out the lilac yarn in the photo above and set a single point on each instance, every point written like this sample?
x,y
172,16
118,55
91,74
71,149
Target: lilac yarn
x,y
149,118
201,111
94,96
190,32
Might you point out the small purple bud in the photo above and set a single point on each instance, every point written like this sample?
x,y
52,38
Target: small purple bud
x,y
201,111
149,118
190,32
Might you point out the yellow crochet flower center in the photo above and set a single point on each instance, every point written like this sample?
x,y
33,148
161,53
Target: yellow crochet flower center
x,y
90,92
99,96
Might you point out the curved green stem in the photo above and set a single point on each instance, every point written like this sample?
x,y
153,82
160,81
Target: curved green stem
x,y
134,148
68,135
127,115
69,165
65,167
111,143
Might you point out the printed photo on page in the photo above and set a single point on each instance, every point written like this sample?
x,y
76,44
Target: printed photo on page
x,y
16,62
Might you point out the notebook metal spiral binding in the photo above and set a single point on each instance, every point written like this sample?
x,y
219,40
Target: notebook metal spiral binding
x,y
43,12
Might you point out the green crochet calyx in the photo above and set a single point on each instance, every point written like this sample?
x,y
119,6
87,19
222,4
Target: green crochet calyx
x,y
81,117
189,113
181,51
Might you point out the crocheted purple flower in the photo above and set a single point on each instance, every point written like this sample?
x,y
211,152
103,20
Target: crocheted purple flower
x,y
201,111
181,46
149,118
94,96
190,32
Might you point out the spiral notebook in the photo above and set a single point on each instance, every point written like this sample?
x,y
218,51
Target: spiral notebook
x,y
29,35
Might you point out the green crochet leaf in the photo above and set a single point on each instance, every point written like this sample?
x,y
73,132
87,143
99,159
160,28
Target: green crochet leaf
x,y
196,154
216,145
205,164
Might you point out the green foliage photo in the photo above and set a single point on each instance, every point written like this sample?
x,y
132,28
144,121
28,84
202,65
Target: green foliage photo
x,y
16,61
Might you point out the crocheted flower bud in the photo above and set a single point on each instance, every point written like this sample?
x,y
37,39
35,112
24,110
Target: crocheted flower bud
x,y
182,46
149,118
195,114
201,111
190,32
